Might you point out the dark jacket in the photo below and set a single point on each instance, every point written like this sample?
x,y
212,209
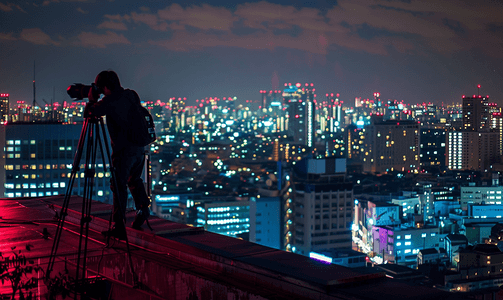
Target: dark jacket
x,y
116,108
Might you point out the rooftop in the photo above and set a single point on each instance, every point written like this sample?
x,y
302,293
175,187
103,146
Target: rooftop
x,y
177,261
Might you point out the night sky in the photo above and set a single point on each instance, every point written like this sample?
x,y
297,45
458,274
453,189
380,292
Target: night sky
x,y
416,51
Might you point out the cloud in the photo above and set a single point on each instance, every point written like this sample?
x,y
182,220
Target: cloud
x,y
372,26
7,36
10,7
5,7
113,25
80,10
37,36
150,20
203,17
47,2
89,39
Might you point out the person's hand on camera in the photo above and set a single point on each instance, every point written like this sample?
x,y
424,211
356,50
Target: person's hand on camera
x,y
91,96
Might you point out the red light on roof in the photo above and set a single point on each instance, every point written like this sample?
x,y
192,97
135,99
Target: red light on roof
x,y
312,84
297,85
285,84
478,86
463,96
296,116
337,95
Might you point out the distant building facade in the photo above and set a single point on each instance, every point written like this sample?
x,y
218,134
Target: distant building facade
x,y
392,146
233,218
4,108
38,161
323,208
480,194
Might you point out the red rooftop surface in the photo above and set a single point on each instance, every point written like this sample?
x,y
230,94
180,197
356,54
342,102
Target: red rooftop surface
x,y
176,261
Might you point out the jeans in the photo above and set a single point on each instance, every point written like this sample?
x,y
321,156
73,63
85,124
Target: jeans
x,y
128,164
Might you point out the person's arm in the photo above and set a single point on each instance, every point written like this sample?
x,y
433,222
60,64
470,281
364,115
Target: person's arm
x,y
95,108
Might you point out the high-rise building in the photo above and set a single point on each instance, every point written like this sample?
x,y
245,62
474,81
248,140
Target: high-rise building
x,y
4,108
301,109
475,113
432,148
392,146
477,146
38,161
322,207
271,98
232,218
334,114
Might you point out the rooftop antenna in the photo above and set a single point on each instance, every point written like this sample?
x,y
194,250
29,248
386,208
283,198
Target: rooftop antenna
x,y
34,101
478,87
52,102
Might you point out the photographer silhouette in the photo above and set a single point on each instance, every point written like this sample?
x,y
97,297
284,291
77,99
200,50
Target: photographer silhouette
x,y
127,157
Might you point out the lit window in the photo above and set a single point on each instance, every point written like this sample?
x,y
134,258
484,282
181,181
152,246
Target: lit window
x,y
408,236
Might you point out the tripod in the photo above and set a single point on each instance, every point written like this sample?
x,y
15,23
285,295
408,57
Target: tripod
x,y
92,131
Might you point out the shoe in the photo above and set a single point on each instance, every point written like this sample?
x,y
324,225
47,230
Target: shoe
x,y
141,216
118,233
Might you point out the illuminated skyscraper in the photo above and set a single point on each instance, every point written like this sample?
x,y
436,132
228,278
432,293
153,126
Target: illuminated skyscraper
x,y
469,150
301,111
4,108
38,161
478,145
475,113
335,117
391,146
322,208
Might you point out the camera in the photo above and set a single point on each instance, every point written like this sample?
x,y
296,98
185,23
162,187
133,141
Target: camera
x,y
79,91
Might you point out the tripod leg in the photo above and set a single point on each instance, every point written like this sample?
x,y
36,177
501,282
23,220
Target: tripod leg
x,y
89,173
64,208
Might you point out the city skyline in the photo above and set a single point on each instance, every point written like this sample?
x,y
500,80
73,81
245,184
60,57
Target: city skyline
x,y
417,52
